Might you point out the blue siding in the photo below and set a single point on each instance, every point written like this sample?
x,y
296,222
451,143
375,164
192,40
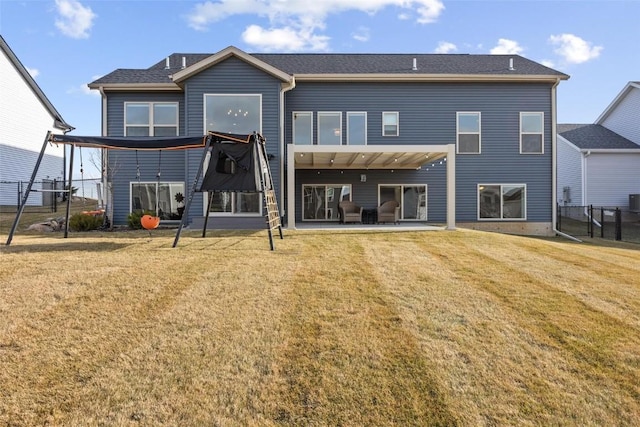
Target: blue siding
x,y
428,116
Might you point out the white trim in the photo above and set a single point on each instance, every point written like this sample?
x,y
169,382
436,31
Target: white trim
x,y
617,100
151,125
327,114
480,219
397,114
479,132
353,113
541,133
401,201
204,110
233,213
326,207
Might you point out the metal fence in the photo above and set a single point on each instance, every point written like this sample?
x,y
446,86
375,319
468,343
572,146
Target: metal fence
x,y
46,195
604,222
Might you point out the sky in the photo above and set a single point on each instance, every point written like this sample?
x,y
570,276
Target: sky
x,y
66,44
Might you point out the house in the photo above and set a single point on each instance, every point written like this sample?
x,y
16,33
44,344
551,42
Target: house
x,y
460,140
599,164
26,116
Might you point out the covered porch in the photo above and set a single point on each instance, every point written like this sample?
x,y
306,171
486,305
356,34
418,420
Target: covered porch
x,y
367,158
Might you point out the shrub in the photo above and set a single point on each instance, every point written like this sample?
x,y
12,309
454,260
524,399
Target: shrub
x,y
133,219
84,222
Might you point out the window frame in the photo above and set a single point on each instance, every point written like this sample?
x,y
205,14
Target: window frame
x,y
402,201
329,196
150,125
293,126
204,109
233,203
326,114
157,184
459,132
502,218
397,122
352,114
541,133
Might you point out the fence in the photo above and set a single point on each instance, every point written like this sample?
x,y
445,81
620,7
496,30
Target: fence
x,y
46,195
604,222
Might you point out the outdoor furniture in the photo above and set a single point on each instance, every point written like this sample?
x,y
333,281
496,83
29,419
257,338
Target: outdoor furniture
x,y
389,212
350,212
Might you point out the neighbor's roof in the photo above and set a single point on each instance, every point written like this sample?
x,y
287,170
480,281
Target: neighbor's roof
x,y
340,64
618,99
58,121
590,136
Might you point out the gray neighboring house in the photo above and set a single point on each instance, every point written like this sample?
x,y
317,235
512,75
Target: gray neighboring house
x,y
26,115
460,140
599,164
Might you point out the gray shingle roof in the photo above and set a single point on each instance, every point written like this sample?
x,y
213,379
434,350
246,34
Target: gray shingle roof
x,y
339,63
589,136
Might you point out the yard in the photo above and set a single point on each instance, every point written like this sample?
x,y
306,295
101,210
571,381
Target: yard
x,y
331,328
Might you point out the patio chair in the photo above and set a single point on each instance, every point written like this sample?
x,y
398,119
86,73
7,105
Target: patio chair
x,y
350,212
389,211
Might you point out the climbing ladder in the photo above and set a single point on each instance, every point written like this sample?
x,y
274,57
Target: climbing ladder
x,y
270,201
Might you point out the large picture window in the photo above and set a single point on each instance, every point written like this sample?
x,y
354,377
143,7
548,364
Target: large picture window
x,y
330,128
302,127
240,114
151,118
356,128
502,201
531,133
412,199
468,132
235,203
320,202
169,197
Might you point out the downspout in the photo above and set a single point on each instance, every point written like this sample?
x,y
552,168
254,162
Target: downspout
x,y
104,163
554,162
285,88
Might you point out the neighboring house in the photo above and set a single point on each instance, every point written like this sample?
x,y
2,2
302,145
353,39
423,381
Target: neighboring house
x,y
466,140
26,115
599,164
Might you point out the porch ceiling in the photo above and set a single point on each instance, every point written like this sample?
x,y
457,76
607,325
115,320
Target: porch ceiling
x,y
366,156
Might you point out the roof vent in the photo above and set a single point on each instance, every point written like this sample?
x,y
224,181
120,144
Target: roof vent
x,y
184,62
415,64
166,64
511,67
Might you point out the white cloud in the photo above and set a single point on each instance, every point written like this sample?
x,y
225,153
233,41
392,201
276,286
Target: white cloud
x,y
362,34
446,47
573,49
295,25
74,20
34,72
548,63
506,47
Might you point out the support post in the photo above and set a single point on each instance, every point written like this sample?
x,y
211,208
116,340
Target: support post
x,y
70,194
28,190
451,187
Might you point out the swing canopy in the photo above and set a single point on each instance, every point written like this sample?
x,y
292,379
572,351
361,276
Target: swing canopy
x,y
149,143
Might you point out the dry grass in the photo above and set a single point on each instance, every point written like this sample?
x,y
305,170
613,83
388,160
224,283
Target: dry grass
x,y
346,328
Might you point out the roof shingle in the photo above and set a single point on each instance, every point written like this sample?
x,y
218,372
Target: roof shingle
x,y
589,136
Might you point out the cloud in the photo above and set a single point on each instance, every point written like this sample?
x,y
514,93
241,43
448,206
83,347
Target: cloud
x,y
446,47
362,34
573,49
34,72
296,25
548,63
74,20
506,47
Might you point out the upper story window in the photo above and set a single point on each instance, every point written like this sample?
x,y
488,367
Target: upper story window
x,y
151,118
330,128
240,114
303,127
502,201
356,128
532,133
468,132
390,123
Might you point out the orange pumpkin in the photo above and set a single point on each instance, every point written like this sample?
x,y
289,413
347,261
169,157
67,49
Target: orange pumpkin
x,y
149,222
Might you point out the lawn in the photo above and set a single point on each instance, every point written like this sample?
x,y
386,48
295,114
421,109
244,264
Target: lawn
x,y
332,328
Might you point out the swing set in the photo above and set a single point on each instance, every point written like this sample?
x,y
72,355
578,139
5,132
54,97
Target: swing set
x,y
237,163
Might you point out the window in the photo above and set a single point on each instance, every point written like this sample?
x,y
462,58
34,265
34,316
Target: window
x,y
390,124
224,202
468,133
531,133
169,196
356,128
330,128
412,199
151,118
320,202
502,201
240,114
303,127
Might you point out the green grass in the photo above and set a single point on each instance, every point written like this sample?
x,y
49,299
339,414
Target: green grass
x,y
331,328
